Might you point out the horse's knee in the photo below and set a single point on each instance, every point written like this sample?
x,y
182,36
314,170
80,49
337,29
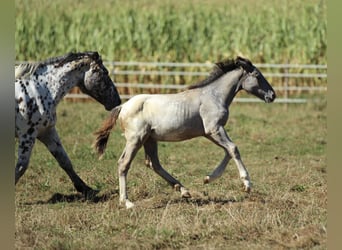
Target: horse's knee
x,y
234,152
122,168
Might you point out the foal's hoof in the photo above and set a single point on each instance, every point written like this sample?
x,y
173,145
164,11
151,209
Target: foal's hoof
x,y
184,192
129,204
206,179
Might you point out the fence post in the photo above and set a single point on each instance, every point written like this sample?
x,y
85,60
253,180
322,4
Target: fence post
x,y
286,85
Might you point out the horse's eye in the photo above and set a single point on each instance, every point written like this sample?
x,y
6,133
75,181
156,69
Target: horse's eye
x,y
255,73
95,70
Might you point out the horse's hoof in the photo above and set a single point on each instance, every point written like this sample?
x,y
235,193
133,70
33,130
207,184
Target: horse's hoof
x,y
185,193
206,179
247,189
148,163
129,204
177,187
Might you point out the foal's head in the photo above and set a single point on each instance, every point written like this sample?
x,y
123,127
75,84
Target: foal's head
x,y
96,81
254,82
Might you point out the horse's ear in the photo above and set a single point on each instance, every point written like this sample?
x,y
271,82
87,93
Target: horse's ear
x,y
244,63
96,55
240,61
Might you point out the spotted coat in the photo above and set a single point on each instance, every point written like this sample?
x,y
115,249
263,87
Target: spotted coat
x,y
39,87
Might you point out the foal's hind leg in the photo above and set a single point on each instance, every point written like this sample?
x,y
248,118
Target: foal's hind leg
x,y
221,138
151,151
51,140
124,164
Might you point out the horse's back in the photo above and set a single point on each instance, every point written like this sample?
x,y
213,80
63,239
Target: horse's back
x,y
156,104
168,117
134,105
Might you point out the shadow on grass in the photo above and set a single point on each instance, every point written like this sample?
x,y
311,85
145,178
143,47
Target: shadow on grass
x,y
197,201
160,203
206,200
70,198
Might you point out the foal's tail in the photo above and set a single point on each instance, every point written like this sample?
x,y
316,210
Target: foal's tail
x,y
103,133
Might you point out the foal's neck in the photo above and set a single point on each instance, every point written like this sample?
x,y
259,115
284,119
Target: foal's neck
x,y
226,87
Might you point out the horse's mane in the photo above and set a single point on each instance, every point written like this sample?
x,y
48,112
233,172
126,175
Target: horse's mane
x,y
220,68
24,70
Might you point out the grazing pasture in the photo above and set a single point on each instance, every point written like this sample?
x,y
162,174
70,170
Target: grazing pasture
x,y
283,147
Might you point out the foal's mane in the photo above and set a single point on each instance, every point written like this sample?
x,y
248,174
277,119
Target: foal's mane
x,y
24,70
220,68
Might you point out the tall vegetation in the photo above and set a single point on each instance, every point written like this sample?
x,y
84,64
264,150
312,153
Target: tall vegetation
x,y
187,31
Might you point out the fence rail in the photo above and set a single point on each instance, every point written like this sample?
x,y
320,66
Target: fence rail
x,y
136,77
282,73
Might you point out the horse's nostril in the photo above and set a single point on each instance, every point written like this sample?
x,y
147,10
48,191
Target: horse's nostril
x,y
270,96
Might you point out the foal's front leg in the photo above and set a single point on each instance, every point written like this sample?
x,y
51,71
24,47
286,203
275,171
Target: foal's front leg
x,y
221,138
51,140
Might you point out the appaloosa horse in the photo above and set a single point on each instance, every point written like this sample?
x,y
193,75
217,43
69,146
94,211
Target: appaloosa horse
x,y
202,110
39,87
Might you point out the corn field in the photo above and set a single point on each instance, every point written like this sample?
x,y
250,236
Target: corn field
x,y
182,31
288,32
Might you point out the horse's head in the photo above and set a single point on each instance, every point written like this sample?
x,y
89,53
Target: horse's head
x,y
254,82
98,84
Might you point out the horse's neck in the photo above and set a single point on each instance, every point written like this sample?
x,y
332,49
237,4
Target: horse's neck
x,y
60,81
226,87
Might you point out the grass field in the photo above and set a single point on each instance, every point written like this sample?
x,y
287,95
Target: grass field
x,y
283,147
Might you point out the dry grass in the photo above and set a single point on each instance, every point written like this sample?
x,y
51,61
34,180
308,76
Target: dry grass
x,y
283,148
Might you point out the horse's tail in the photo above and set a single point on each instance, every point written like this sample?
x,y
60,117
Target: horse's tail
x,y
103,133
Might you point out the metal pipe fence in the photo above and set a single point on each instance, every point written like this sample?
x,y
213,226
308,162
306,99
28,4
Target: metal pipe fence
x,y
283,74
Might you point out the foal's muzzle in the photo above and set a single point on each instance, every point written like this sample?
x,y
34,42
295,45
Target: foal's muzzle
x,y
269,96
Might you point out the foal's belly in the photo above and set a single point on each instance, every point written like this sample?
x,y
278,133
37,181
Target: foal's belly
x,y
170,133
172,137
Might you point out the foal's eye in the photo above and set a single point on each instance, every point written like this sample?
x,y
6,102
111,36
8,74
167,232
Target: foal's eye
x,y
255,73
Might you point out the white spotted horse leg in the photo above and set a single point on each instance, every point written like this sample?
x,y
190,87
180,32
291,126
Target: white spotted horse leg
x,y
24,152
51,140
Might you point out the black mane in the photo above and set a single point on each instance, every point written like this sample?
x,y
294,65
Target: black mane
x,y
61,60
220,68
